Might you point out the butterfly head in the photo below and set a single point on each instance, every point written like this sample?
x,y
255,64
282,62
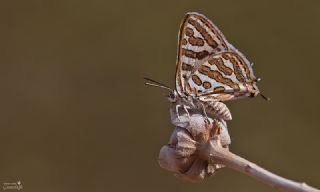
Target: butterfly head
x,y
173,96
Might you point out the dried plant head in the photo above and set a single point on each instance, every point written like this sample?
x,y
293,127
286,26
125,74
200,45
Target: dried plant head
x,y
183,154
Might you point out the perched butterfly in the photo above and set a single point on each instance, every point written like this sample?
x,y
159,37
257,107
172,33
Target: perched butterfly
x,y
209,70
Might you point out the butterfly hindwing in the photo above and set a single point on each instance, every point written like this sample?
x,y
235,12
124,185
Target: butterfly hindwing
x,y
222,73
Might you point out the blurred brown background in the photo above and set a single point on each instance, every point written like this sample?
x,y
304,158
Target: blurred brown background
x,y
75,115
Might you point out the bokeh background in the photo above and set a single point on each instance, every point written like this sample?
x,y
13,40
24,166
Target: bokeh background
x,y
75,115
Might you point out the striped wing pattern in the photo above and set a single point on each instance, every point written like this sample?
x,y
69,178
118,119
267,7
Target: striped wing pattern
x,y
208,66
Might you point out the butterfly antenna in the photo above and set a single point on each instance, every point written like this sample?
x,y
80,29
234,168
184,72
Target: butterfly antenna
x,y
156,84
264,97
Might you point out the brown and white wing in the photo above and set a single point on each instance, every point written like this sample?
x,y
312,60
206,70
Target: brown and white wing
x,y
198,39
222,77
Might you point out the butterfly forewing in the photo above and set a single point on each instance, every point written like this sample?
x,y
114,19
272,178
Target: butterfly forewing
x,y
198,39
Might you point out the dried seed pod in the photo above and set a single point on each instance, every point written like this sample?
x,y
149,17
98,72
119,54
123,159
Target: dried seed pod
x,y
182,154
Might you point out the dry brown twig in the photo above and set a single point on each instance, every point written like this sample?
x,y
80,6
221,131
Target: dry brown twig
x,y
198,148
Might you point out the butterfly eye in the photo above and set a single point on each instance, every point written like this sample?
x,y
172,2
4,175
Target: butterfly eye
x,y
172,97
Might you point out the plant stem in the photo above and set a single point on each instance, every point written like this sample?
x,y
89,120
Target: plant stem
x,y
217,154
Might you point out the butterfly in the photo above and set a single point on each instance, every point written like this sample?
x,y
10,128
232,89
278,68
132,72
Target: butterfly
x,y
209,70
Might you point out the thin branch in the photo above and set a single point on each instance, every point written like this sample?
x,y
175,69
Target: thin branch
x,y
217,154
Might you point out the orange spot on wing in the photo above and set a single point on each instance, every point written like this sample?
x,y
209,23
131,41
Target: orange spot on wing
x,y
206,85
196,80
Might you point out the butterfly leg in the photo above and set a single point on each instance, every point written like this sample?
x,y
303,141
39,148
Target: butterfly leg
x,y
205,114
176,119
177,112
185,107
